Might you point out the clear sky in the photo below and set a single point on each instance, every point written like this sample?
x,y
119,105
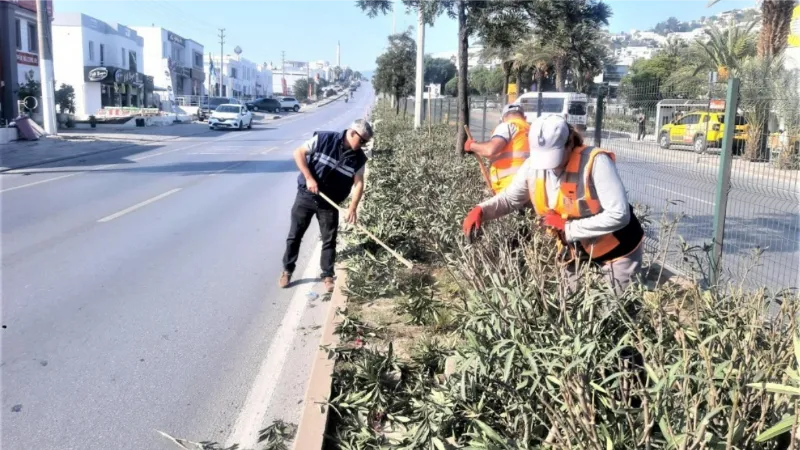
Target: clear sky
x,y
308,30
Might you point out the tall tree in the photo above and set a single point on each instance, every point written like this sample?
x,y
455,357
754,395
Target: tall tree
x,y
722,51
395,70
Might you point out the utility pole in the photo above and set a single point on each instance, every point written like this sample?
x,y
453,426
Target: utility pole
x,y
221,60
46,68
283,73
208,94
420,69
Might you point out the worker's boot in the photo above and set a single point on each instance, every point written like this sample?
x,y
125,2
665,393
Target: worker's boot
x,y
328,283
286,278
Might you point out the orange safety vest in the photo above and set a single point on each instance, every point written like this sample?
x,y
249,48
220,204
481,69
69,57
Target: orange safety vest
x,y
577,199
506,163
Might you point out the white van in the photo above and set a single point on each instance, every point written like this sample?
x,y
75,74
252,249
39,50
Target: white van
x,y
569,105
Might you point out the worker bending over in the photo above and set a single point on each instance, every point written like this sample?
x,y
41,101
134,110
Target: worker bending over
x,y
576,191
507,149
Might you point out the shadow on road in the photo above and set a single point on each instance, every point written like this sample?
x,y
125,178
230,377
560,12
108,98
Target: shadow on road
x,y
200,167
302,281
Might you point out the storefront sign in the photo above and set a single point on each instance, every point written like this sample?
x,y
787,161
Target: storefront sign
x,y
128,77
717,104
29,59
174,38
98,74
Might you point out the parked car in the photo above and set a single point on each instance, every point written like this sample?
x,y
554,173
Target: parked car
x,y
702,129
210,104
289,103
265,104
231,116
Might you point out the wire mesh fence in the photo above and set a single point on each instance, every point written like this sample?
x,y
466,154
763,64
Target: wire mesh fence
x,y
668,147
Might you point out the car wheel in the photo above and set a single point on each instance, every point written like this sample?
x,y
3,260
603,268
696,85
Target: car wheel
x,y
255,108
240,126
250,124
699,144
296,108
211,127
277,110
663,140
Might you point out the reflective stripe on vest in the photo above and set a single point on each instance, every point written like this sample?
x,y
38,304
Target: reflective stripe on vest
x,y
577,197
506,163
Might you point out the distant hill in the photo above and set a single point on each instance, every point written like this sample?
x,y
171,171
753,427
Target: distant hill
x,y
673,25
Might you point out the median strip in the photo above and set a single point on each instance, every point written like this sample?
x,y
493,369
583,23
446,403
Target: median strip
x,y
137,206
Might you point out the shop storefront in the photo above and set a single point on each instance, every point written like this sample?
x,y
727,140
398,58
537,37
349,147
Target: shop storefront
x,y
118,87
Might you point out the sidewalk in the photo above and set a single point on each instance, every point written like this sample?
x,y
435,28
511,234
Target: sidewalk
x,y
75,143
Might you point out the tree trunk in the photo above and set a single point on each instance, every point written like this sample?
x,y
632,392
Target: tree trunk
x,y
396,104
463,98
560,72
776,16
506,79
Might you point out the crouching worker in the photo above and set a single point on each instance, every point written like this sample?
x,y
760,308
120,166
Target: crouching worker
x,y
576,191
330,163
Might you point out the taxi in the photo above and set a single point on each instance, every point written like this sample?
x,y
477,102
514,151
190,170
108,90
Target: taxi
x,y
701,129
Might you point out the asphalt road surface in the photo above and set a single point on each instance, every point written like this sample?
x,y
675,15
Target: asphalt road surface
x,y
140,291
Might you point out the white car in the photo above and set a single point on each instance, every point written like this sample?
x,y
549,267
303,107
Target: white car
x,y
231,116
288,103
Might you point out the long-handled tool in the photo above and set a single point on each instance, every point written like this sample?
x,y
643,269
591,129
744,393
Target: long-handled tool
x,y
405,262
484,171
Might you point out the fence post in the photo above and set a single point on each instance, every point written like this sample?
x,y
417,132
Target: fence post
x,y
598,117
483,123
724,179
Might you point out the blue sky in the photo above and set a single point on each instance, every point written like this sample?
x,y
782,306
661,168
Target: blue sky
x,y
308,30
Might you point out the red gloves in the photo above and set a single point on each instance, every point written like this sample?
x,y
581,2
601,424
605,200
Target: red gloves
x,y
554,220
473,221
468,145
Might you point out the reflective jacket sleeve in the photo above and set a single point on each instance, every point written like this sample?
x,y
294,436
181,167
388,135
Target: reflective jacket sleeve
x,y
613,200
513,197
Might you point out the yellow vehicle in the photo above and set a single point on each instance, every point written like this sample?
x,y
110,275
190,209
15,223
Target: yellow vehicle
x,y
701,129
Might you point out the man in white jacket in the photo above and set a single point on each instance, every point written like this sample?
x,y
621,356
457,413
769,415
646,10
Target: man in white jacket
x,y
576,191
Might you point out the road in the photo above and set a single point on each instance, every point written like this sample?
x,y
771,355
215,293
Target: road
x,y
140,291
763,212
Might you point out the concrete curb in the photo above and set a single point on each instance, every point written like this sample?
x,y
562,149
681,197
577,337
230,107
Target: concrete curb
x,y
314,418
123,146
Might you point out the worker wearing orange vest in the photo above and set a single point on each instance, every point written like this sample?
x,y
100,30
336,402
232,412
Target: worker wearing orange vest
x,y
507,150
577,193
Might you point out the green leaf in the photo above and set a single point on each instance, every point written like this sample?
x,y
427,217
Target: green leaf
x,y
509,362
490,432
776,388
796,342
776,430
438,443
651,373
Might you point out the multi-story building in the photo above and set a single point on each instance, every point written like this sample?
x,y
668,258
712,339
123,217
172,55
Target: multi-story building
x,y
19,51
175,63
283,79
241,78
101,61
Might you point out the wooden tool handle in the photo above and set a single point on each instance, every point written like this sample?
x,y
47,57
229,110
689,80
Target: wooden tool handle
x,y
405,262
484,170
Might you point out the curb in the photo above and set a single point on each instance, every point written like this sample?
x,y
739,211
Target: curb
x,y
314,418
96,152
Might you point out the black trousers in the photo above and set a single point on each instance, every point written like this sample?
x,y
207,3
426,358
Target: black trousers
x,y
641,133
306,206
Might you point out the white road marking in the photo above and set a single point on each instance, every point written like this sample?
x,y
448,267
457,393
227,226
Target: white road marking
x,y
40,182
227,168
139,158
251,416
288,142
682,195
119,214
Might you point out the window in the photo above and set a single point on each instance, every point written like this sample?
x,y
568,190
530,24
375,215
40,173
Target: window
x,y
123,58
198,59
132,65
91,51
549,105
19,34
577,108
33,38
233,72
102,54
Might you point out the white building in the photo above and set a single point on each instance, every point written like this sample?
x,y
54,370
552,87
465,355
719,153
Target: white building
x,y
19,52
242,77
474,59
101,61
175,63
296,70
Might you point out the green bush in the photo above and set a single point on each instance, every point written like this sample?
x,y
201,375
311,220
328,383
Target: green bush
x,y
535,366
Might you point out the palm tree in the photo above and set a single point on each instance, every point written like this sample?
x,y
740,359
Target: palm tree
x,y
776,18
723,51
675,46
536,54
490,53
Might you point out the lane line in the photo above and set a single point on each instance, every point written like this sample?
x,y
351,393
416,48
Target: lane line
x,y
39,182
139,158
682,195
251,416
119,214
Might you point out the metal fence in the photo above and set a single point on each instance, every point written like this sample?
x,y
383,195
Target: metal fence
x,y
668,151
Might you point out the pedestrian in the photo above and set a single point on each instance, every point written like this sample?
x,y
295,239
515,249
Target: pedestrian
x,y
331,163
507,149
642,121
576,191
